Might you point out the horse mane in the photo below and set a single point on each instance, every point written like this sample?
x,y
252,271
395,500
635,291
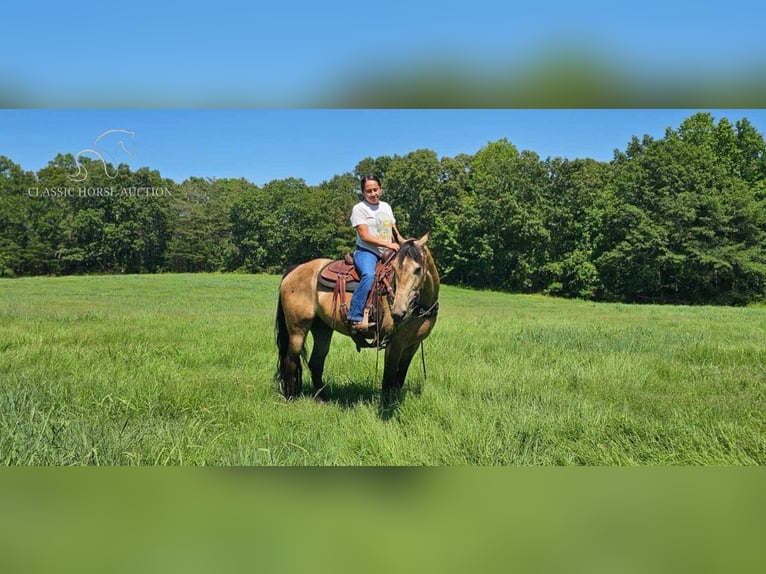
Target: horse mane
x,y
410,249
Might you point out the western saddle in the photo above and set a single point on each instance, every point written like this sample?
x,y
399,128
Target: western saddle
x,y
341,277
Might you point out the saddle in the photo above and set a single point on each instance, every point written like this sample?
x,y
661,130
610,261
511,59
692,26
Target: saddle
x,y
341,277
341,271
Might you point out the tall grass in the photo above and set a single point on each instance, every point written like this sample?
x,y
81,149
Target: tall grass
x,y
178,369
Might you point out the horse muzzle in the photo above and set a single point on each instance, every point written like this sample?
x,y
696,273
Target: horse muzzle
x,y
398,317
401,309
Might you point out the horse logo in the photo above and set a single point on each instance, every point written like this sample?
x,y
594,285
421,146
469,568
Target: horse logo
x,y
101,148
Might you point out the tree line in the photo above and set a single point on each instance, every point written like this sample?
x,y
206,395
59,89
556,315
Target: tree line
x,y
677,219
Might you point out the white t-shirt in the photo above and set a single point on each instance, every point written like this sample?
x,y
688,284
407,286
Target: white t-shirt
x,y
379,220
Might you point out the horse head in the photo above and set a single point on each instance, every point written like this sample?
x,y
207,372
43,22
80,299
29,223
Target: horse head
x,y
411,270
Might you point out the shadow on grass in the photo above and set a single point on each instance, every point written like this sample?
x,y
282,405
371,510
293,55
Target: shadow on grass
x,y
350,394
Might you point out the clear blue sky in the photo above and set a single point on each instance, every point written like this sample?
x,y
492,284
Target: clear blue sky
x,y
140,52
315,144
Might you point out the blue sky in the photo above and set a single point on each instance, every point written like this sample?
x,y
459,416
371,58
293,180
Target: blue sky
x,y
315,144
142,53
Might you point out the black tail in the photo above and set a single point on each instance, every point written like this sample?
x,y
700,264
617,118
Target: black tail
x,y
286,387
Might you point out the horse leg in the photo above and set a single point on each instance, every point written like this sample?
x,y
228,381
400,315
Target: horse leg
x,y
404,364
292,369
391,367
322,335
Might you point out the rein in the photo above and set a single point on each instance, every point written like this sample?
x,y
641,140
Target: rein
x,y
423,312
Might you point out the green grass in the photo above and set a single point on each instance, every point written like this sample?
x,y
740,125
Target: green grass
x,y
178,369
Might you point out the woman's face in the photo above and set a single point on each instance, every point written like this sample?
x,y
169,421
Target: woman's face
x,y
372,192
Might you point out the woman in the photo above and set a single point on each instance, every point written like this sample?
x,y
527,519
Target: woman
x,y
375,232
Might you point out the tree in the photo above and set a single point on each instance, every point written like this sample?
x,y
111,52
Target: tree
x,y
201,224
688,227
288,222
576,196
114,221
412,187
28,217
332,235
369,166
506,188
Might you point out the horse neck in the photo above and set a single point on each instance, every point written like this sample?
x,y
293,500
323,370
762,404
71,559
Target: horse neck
x,y
429,293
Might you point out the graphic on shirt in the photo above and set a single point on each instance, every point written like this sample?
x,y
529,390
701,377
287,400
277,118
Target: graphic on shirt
x,y
385,226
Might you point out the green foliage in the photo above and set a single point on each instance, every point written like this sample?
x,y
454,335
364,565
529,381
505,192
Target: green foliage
x,y
501,217
201,237
113,221
576,197
678,219
287,222
687,226
412,189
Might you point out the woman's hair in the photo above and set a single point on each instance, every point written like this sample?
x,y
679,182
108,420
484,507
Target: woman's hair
x,y
367,178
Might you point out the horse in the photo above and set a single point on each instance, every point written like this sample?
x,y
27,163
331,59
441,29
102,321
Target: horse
x,y
405,318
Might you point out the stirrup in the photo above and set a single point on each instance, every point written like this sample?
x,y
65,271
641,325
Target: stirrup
x,y
364,325
361,326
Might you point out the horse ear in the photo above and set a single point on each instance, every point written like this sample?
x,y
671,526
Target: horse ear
x,y
422,241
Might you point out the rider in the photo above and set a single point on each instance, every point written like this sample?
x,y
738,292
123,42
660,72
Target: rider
x,y
376,229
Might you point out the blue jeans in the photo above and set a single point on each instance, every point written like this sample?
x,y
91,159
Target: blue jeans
x,y
365,262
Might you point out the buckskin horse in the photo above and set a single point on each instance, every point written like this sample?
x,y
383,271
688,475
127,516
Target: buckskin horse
x,y
405,315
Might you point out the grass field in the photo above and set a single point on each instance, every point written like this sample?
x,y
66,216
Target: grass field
x,y
178,370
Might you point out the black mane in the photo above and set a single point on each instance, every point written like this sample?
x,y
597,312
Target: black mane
x,y
410,249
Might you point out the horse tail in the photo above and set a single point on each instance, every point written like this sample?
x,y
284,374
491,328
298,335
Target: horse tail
x,y
284,361
280,328
280,325
282,338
